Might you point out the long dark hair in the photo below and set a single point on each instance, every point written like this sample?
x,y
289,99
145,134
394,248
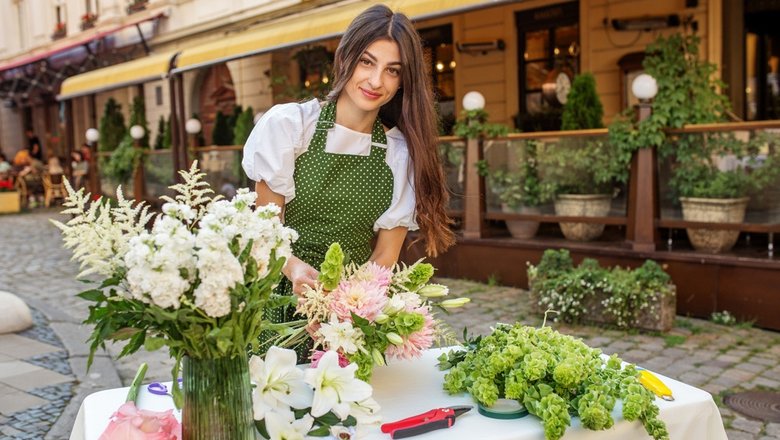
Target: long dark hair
x,y
411,109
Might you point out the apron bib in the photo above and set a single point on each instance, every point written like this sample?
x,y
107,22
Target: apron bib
x,y
338,198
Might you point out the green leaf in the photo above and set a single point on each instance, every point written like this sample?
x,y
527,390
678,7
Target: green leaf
x,y
154,344
322,431
95,295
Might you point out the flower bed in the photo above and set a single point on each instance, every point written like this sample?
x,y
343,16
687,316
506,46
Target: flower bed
x,y
642,298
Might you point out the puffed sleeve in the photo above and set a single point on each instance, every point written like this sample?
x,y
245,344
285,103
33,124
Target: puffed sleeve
x,y
271,149
402,208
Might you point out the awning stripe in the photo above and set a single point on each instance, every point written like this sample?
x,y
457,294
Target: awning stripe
x,y
150,68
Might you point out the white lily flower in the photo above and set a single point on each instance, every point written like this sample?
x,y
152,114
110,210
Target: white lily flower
x,y
281,425
335,388
341,335
279,383
366,412
339,432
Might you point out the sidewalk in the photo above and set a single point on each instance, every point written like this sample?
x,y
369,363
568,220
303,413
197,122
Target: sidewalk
x,y
34,266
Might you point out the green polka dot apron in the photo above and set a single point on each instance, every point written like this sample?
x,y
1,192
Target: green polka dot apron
x,y
338,198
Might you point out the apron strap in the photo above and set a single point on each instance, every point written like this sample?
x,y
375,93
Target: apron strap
x,y
327,121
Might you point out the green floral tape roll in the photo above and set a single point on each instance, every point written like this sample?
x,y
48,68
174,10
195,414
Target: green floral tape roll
x,y
503,409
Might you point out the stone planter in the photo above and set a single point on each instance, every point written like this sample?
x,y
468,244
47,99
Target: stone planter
x,y
658,316
9,202
584,205
522,228
713,211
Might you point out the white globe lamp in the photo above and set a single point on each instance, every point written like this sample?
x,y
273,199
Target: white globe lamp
x,y
192,126
92,135
137,132
473,101
644,87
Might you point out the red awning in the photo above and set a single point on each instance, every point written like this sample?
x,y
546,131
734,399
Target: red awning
x,y
84,38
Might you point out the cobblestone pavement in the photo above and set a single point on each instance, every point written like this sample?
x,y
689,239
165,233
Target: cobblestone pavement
x,y
34,266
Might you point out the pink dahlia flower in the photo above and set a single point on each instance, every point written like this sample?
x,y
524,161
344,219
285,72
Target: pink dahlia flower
x,y
418,341
376,273
131,423
365,298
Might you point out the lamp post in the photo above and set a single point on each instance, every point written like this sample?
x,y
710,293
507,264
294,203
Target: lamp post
x,y
643,188
137,132
92,136
192,127
473,200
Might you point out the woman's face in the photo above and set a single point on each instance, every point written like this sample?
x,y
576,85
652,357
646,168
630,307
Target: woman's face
x,y
376,78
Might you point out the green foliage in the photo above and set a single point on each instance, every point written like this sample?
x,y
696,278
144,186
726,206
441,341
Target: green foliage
x,y
233,117
473,124
120,165
518,187
581,166
222,134
583,107
625,295
167,135
159,137
138,117
112,126
723,318
554,376
244,125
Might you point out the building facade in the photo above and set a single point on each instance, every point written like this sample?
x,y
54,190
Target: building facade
x,y
519,54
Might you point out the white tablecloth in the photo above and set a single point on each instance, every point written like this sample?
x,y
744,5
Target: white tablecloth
x,y
407,388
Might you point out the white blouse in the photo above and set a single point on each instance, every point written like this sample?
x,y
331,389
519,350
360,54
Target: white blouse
x,y
284,133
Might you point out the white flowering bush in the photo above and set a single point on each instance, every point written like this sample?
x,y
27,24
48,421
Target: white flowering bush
x,y
197,281
326,400
622,296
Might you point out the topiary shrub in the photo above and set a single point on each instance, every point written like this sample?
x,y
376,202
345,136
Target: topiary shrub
x,y
159,138
245,122
138,117
583,108
112,126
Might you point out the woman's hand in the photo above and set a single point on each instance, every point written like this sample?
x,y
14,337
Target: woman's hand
x,y
300,274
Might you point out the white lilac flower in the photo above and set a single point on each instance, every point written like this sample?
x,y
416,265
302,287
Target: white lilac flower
x,y
335,388
281,425
279,383
341,336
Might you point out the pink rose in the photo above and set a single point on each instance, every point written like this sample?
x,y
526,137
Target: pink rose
x,y
131,423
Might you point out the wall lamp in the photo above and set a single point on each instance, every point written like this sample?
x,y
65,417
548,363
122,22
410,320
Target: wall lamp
x,y
482,47
646,23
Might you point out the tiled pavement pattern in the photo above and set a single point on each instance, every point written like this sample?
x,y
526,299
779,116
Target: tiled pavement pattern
x,y
34,266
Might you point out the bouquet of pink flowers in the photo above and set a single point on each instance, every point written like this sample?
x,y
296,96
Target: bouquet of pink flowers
x,y
368,312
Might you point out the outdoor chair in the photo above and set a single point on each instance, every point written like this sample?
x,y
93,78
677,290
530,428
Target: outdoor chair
x,y
53,188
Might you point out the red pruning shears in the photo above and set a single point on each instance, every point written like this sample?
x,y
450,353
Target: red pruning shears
x,y
438,418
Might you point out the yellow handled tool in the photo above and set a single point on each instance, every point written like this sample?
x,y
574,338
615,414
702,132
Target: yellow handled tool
x,y
654,384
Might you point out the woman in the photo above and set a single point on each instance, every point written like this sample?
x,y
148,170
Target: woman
x,y
361,167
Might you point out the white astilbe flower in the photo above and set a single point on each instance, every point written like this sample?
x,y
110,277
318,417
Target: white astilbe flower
x,y
314,303
193,192
99,234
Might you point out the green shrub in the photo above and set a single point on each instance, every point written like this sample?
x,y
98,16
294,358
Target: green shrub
x,y
159,137
623,294
222,134
518,186
112,126
244,125
583,108
120,166
138,117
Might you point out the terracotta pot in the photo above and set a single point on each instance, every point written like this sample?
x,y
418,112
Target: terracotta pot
x,y
522,228
584,205
713,211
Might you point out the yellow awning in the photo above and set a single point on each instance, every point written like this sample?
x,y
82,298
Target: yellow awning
x,y
311,25
138,71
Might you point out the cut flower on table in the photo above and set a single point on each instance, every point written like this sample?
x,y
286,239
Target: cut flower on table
x,y
368,312
291,403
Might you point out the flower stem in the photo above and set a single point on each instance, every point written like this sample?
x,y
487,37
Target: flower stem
x,y
132,394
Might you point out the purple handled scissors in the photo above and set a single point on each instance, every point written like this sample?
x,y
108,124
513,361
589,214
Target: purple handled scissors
x,y
159,388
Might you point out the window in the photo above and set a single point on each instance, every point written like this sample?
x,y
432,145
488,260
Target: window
x,y
440,58
762,62
549,45
158,95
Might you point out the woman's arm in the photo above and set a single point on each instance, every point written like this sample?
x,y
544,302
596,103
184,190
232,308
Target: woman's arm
x,y
296,270
388,246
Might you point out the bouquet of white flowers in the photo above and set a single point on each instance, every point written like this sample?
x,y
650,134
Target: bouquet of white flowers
x,y
198,282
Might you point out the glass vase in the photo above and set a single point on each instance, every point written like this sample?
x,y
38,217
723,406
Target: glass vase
x,y
217,399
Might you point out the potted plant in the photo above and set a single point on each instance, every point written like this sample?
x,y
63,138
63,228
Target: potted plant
x,y
88,20
60,30
712,174
519,190
581,172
